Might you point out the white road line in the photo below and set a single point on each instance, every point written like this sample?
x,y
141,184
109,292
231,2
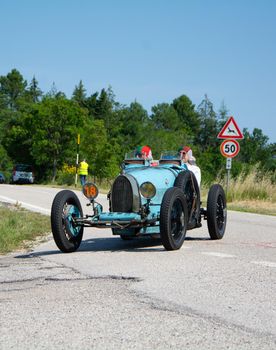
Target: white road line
x,y
26,205
264,263
220,255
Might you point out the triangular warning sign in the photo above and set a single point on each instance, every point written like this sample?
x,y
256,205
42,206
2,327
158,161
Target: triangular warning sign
x,y
230,130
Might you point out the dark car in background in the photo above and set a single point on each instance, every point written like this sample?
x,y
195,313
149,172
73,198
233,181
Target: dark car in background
x,y
2,178
22,173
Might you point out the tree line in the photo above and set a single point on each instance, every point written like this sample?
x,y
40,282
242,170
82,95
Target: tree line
x,y
41,129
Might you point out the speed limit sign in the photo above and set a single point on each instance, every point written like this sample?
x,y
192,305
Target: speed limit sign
x,y
229,148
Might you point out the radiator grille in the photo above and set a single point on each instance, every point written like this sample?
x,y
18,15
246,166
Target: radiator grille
x,y
122,195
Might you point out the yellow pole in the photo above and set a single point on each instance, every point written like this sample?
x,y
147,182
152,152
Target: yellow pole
x,y
77,161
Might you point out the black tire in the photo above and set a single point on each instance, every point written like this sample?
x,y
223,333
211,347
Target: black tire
x,y
173,219
187,182
65,206
216,212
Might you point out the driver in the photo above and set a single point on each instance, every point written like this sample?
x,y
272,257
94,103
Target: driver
x,y
189,160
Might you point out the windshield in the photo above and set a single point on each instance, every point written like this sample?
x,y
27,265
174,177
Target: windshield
x,y
131,155
24,167
170,155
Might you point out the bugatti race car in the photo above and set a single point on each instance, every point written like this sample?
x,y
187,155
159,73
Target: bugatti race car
x,y
145,199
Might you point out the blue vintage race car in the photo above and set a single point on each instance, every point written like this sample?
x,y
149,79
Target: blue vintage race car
x,y
144,200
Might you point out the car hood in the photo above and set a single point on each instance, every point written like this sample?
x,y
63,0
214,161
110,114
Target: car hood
x,y
161,177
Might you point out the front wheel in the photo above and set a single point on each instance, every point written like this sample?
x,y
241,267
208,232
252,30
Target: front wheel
x,y
173,219
65,208
216,212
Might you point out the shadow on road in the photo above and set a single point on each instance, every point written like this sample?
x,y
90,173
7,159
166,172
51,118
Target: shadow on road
x,y
114,244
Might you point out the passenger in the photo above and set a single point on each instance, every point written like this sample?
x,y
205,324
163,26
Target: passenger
x,y
144,152
189,160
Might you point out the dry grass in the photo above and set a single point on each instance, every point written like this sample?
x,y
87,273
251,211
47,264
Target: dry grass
x,y
254,186
258,207
254,192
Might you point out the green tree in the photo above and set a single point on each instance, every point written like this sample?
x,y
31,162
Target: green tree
x,y
79,95
99,152
33,91
104,107
207,136
270,163
164,116
5,162
187,114
254,147
18,137
211,163
165,140
91,104
133,122
12,88
55,93
223,112
55,124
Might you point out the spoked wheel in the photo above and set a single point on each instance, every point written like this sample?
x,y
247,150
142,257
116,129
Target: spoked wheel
x,y
65,208
187,182
173,219
216,212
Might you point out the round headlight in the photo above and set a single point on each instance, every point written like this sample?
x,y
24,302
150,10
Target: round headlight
x,y
90,190
147,190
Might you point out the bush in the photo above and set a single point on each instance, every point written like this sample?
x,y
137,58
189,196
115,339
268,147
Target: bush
x,y
66,176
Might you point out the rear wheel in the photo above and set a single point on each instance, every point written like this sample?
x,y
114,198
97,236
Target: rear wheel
x,y
66,206
173,219
187,182
216,212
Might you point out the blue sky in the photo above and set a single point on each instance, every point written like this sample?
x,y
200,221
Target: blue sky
x,y
151,51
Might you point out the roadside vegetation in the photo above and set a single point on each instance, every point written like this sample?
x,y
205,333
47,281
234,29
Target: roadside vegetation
x,y
42,128
253,192
19,228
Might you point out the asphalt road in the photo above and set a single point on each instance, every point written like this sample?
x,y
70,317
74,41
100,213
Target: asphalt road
x,y
114,294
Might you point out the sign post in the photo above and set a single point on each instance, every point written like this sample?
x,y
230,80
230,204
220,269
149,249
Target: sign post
x,y
229,148
77,160
228,167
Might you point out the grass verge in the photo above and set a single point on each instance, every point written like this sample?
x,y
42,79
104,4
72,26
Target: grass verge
x,y
253,192
257,207
19,227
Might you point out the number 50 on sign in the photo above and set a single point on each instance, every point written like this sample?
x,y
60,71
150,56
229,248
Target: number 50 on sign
x,y
229,148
